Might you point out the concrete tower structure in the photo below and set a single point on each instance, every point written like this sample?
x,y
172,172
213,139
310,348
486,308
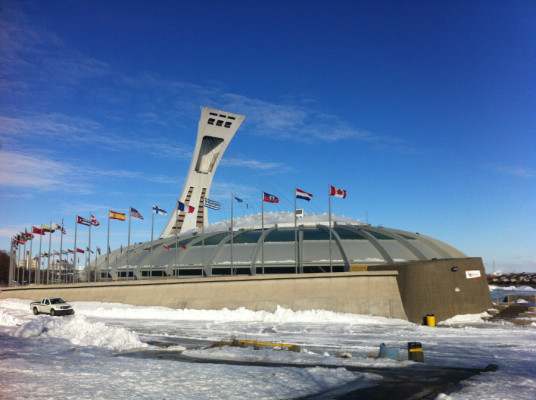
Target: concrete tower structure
x,y
215,131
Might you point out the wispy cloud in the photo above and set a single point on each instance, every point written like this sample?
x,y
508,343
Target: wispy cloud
x,y
22,170
251,164
142,105
520,172
32,57
46,174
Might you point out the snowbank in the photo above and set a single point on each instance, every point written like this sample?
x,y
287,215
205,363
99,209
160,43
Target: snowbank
x,y
281,315
79,331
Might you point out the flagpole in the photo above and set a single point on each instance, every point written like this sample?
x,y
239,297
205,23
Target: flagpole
x,y
61,249
16,271
17,267
89,252
38,278
25,263
95,268
75,248
30,266
108,250
203,246
176,238
49,250
295,234
330,262
262,235
152,230
128,248
232,234
17,277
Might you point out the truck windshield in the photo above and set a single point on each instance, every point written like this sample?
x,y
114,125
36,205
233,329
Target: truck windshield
x,y
56,301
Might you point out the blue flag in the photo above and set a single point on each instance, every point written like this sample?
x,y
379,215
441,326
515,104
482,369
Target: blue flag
x,y
241,201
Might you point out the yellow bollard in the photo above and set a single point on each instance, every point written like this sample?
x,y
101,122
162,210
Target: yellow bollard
x,y
415,352
430,319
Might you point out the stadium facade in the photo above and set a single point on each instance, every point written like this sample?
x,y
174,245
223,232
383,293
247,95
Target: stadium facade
x,y
318,261
189,247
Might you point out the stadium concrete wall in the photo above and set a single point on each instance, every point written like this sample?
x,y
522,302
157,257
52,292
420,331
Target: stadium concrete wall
x,y
444,288
369,293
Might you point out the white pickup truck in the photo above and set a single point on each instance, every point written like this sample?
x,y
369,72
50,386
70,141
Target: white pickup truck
x,y
52,306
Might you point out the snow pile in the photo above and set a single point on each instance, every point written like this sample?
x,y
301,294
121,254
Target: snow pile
x,y
511,288
281,315
465,319
9,320
79,331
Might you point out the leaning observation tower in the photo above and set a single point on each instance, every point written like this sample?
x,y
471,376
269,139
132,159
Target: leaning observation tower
x,y
215,131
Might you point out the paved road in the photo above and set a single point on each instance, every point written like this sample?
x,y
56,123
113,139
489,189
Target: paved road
x,y
419,381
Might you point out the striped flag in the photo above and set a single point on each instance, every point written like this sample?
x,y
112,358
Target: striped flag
x,y
83,221
135,213
300,194
116,215
214,205
182,207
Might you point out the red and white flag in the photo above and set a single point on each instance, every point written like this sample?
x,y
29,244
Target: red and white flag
x,y
94,221
333,191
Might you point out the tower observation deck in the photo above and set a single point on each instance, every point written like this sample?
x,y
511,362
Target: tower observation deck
x,y
215,131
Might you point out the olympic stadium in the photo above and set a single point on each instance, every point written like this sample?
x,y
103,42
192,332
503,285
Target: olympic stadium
x,y
292,260
289,243
283,249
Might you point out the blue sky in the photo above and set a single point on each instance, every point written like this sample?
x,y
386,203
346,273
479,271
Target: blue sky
x,y
425,112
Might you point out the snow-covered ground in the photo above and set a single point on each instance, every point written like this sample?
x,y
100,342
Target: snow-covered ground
x,y
114,351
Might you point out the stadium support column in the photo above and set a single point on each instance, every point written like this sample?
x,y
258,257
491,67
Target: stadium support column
x,y
215,131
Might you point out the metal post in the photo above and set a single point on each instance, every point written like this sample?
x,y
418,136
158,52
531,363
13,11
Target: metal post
x,y
38,270
108,250
75,248
152,230
330,261
262,235
49,250
89,251
232,235
295,235
128,248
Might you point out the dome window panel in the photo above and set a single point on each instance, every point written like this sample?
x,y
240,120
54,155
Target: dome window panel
x,y
397,251
280,235
361,251
318,252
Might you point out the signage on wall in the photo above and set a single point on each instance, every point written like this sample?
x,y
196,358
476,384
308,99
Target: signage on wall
x,y
473,274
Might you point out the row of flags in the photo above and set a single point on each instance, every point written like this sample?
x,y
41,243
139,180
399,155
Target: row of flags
x,y
303,195
212,204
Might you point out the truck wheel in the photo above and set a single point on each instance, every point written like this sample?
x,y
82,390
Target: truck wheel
x,y
35,311
52,312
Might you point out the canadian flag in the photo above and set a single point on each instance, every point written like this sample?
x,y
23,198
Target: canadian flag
x,y
333,191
